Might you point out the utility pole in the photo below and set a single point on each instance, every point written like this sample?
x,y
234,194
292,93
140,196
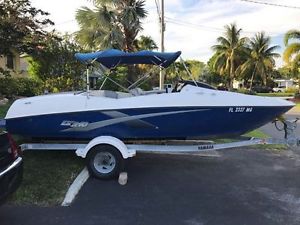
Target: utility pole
x,y
162,43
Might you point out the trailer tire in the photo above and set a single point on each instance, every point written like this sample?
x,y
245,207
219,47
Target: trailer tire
x,y
105,162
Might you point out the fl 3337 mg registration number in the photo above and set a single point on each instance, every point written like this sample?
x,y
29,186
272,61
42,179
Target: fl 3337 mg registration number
x,y
240,109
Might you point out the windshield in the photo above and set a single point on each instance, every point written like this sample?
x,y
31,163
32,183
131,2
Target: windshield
x,y
178,87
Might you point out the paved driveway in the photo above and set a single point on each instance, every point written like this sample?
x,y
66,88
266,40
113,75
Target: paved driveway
x,y
240,187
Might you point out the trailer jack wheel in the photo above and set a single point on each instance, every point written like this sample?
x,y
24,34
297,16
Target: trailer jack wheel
x,y
105,162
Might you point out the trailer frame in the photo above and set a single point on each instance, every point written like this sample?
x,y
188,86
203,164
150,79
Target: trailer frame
x,y
110,152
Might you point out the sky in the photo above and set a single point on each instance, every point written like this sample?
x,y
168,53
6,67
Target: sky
x,y
192,26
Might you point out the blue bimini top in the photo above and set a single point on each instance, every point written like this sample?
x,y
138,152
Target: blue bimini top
x,y
112,57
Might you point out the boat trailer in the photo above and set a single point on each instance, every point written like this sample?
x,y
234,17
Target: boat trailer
x,y
106,154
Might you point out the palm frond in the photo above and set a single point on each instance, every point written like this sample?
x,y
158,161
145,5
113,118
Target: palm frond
x,y
223,41
112,23
291,34
219,62
243,68
270,51
140,9
291,50
103,2
85,16
219,48
295,64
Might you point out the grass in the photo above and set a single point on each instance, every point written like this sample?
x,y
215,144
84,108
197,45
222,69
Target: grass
x,y
47,176
260,134
3,110
280,94
256,134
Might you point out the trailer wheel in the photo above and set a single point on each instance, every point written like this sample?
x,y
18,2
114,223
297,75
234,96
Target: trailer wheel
x,y
105,162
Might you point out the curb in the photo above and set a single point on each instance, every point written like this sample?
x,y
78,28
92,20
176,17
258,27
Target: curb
x,y
75,187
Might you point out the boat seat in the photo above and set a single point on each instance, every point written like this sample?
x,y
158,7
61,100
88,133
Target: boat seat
x,y
139,91
104,93
154,92
136,91
124,95
110,94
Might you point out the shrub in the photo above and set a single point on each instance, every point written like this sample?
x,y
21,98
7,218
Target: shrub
x,y
21,86
297,95
246,91
62,83
8,87
28,87
276,94
291,90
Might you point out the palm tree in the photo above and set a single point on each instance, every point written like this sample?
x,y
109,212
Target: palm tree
x,y
145,43
291,54
112,24
260,57
229,49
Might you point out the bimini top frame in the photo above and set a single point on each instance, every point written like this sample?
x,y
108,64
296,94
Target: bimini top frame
x,y
112,58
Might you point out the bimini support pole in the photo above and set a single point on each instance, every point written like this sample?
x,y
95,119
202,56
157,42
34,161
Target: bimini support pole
x,y
162,43
88,79
188,71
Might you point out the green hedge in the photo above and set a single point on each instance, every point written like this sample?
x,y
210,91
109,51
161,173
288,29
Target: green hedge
x,y
61,84
281,94
21,86
24,86
246,91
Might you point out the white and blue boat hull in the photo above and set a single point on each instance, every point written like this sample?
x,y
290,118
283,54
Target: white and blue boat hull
x,y
193,112
147,123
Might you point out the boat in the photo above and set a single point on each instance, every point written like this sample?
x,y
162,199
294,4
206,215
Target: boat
x,y
190,111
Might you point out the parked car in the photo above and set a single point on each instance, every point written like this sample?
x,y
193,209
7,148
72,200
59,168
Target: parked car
x,y
11,166
222,88
262,89
279,89
282,85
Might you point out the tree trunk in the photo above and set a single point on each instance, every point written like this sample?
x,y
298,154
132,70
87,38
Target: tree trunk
x,y
128,47
265,78
252,77
131,76
231,75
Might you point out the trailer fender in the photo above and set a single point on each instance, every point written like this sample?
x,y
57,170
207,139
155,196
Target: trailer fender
x,y
108,140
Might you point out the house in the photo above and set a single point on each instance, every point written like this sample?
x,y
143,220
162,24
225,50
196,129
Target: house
x,y
15,63
238,84
285,83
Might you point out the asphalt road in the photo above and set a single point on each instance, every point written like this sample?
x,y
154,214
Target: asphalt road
x,y
244,186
